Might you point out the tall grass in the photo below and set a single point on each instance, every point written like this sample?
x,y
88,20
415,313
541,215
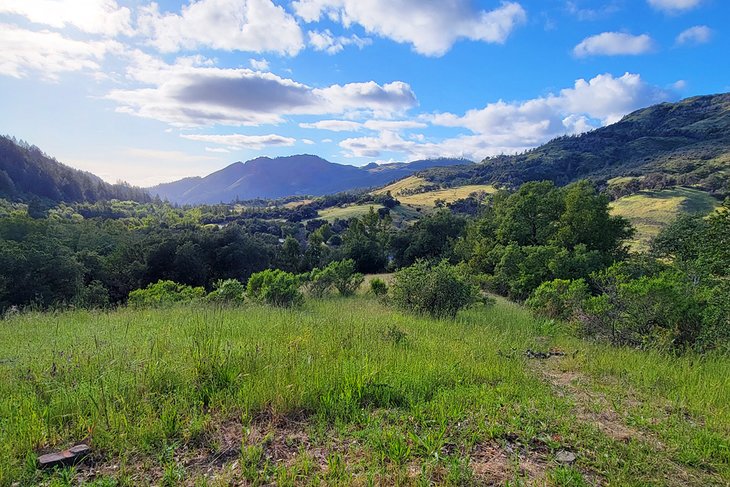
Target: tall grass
x,y
135,383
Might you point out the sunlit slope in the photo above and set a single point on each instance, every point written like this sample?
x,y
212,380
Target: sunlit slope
x,y
650,211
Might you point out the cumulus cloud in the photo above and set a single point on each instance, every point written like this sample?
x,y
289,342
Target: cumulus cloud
x,y
699,34
47,54
93,16
189,94
433,26
674,6
614,44
503,127
231,25
325,41
243,141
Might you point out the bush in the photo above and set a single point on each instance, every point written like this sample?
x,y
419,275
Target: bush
x,y
340,275
164,293
439,290
344,277
228,291
662,311
275,287
378,287
559,298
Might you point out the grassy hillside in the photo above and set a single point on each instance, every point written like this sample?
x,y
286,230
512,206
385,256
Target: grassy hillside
x,y
426,200
650,211
348,391
401,214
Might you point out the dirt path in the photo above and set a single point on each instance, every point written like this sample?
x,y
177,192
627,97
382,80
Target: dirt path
x,y
593,407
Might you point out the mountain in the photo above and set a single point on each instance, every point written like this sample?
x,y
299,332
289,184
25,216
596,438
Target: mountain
x,y
304,174
684,143
27,173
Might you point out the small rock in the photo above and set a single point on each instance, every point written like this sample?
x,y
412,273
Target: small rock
x,y
564,456
65,458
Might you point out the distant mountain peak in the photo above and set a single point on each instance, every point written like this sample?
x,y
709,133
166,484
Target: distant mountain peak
x,y
298,174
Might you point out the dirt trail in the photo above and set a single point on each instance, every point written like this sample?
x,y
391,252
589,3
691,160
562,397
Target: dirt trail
x,y
593,407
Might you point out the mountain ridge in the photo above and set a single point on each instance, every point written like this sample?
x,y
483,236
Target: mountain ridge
x,y
684,143
300,174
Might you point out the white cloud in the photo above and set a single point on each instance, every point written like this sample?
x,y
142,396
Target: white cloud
x,y
93,16
431,26
674,6
243,141
188,94
375,125
325,41
47,54
584,13
503,127
308,141
614,44
699,34
393,125
259,64
333,125
230,25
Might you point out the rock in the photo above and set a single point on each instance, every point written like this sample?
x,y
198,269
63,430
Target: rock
x,y
564,456
65,458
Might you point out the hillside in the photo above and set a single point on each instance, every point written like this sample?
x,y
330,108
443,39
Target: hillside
x,y
686,143
650,211
26,173
264,177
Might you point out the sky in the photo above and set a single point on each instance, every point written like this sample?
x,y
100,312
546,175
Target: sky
x,y
149,92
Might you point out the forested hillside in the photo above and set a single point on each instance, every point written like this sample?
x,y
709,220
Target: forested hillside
x,y
27,173
685,143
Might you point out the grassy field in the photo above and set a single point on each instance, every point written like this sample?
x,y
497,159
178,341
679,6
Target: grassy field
x,y
401,214
427,199
650,211
350,391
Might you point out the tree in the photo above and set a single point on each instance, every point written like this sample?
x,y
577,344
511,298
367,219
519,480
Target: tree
x,y
365,242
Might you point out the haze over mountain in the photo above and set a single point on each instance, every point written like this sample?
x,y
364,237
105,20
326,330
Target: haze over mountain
x,y
302,174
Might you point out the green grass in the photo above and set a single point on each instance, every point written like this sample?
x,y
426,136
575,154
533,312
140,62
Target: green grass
x,y
345,391
650,211
401,214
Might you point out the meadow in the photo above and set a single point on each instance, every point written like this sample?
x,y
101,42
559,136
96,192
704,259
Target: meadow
x,y
650,211
350,391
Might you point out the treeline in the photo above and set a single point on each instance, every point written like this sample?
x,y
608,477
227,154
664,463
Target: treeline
x,y
26,173
556,248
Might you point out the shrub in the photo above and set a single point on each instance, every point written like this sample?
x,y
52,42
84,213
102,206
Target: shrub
x,y
228,291
164,293
378,287
663,311
559,298
275,287
439,290
344,277
340,275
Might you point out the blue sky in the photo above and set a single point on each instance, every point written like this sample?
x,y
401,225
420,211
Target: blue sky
x,y
150,92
